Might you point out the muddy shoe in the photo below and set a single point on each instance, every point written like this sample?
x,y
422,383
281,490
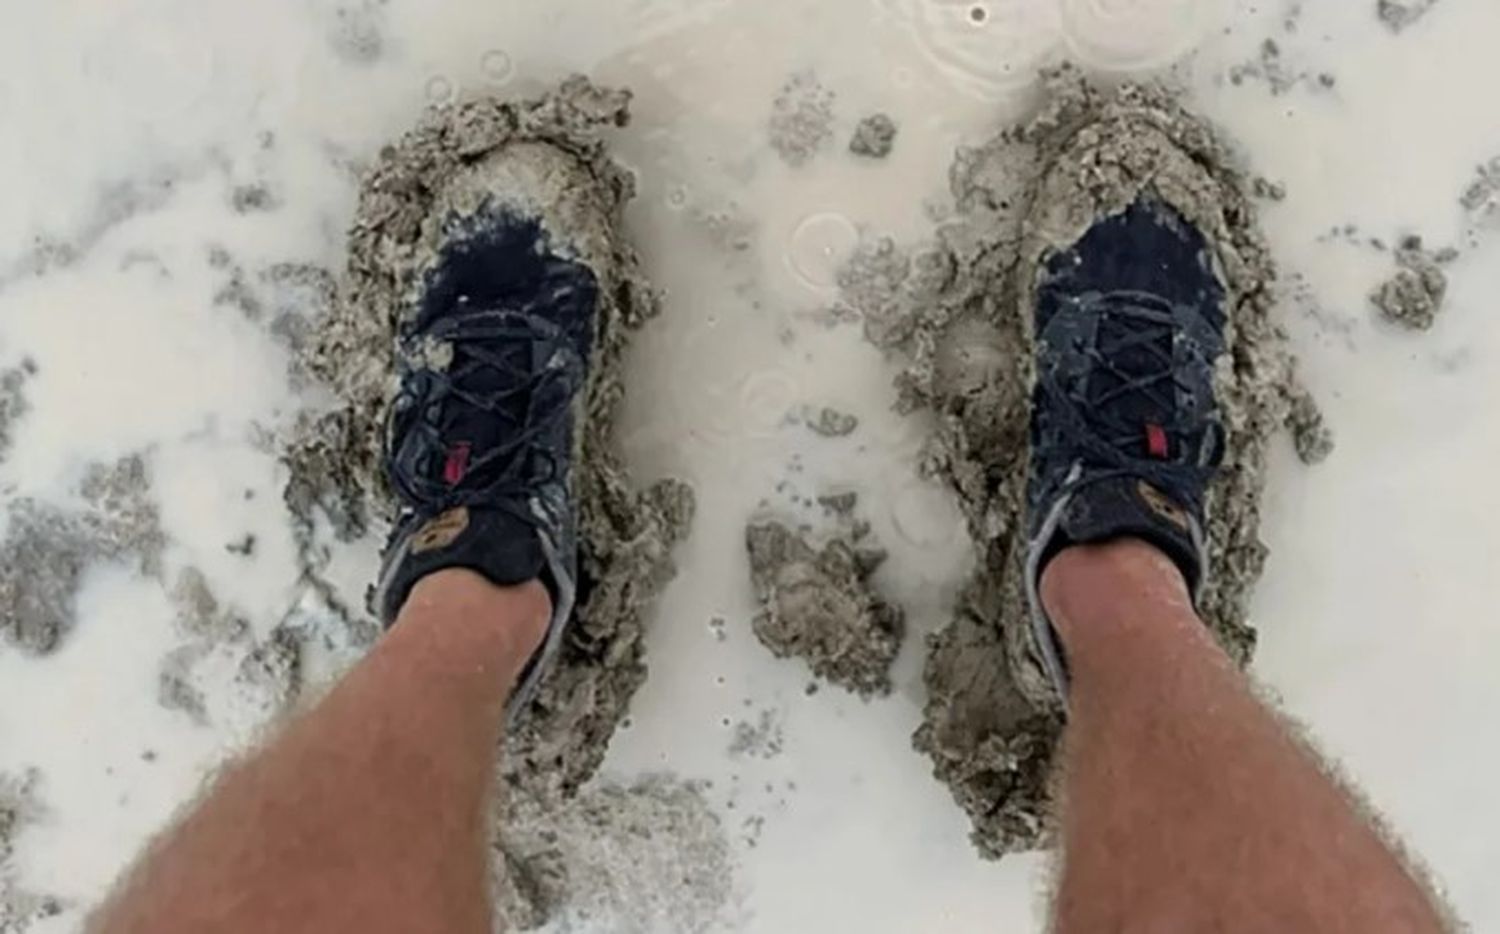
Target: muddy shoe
x,y
482,436
1125,432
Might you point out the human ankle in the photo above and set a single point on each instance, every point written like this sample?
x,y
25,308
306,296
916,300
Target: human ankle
x,y
515,617
1119,586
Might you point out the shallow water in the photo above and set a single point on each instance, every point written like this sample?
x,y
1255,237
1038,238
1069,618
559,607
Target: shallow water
x,y
135,127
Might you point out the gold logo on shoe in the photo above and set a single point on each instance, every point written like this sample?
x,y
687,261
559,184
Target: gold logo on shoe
x,y
1161,505
441,531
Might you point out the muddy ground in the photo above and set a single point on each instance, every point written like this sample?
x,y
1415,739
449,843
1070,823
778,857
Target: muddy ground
x,y
954,311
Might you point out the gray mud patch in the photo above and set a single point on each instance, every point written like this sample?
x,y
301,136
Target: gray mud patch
x,y
544,156
1414,295
818,602
1481,197
1399,14
801,119
955,311
646,856
356,32
47,548
219,648
874,137
19,808
13,404
829,422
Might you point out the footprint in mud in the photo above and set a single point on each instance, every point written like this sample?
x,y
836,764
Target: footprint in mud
x,y
1133,35
989,47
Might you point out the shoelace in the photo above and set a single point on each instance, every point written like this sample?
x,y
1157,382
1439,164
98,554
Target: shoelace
x,y
1143,324
427,393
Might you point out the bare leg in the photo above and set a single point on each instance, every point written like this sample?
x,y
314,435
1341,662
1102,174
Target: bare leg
x,y
369,813
1188,806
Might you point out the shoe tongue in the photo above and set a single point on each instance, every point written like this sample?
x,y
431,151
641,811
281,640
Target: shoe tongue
x,y
473,433
1119,340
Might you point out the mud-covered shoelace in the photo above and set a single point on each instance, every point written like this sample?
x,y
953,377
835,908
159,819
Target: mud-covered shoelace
x,y
507,472
1095,418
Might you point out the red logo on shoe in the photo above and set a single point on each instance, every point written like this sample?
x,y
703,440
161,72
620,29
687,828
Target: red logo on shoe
x,y
457,463
1156,442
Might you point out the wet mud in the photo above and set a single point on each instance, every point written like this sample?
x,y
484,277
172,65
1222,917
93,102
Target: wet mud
x,y
955,310
818,602
1413,297
545,156
47,547
649,855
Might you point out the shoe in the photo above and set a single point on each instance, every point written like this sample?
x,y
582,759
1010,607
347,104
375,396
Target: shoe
x,y
482,436
1125,429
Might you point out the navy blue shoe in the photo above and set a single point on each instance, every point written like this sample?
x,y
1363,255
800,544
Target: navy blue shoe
x,y
1125,428
482,434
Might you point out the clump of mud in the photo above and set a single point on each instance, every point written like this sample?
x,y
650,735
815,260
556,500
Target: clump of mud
x,y
818,603
47,548
546,154
801,119
1413,297
958,309
874,137
646,856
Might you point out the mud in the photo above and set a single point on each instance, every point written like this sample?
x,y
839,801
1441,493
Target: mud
x,y
13,404
1414,295
546,156
955,311
220,647
874,137
646,856
1399,14
19,808
801,121
48,547
1481,197
818,602
830,423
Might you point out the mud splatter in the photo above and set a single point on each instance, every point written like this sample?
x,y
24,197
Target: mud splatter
x,y
19,808
646,856
13,404
801,118
357,32
547,155
249,199
1481,198
1413,296
220,647
762,739
830,423
47,548
1281,75
1311,435
1399,14
874,137
955,310
818,603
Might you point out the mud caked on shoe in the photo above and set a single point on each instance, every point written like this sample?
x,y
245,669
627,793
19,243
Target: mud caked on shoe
x,y
493,362
1125,430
